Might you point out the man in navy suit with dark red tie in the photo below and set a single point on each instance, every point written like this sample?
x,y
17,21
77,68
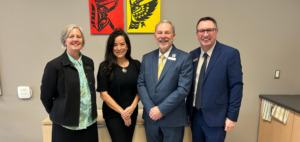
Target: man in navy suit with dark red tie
x,y
215,98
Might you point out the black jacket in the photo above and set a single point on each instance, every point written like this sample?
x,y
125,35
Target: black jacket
x,y
60,90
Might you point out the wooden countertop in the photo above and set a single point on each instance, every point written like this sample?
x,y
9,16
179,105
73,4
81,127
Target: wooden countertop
x,y
291,102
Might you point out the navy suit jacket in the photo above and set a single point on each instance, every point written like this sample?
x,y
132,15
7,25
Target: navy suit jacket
x,y
222,86
170,91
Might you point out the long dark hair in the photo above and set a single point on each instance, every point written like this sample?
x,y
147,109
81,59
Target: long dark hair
x,y
110,61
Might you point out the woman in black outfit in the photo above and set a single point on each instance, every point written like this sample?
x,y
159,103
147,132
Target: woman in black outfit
x,y
117,84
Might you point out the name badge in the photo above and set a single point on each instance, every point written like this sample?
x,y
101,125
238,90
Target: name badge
x,y
172,58
195,59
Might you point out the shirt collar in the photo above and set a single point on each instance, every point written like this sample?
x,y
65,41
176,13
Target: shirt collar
x,y
209,52
79,61
166,54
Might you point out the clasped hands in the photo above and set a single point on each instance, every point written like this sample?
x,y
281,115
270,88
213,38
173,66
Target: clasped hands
x,y
126,115
155,113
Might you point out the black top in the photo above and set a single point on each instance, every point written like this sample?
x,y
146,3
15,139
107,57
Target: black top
x,y
122,87
288,101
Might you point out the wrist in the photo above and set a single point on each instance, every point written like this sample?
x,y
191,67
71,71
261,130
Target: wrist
x,y
120,110
133,106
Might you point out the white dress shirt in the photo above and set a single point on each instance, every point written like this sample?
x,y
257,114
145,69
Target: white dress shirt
x,y
200,62
166,56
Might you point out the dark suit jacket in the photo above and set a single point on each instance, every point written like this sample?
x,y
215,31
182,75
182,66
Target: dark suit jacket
x,y
170,91
60,90
222,86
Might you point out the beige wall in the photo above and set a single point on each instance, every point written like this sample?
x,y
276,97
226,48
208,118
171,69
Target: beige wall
x,y
265,32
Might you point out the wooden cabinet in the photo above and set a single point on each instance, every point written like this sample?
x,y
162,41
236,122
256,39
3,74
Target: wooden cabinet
x,y
296,128
138,136
276,131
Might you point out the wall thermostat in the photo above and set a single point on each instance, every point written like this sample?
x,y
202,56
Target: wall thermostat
x,y
24,92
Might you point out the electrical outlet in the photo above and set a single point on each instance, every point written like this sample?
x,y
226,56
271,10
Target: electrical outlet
x,y
277,74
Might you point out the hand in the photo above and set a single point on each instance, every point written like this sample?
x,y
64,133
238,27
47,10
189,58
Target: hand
x,y
155,113
229,125
127,121
127,112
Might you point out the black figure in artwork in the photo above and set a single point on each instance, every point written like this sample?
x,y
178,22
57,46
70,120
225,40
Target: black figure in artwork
x,y
100,20
140,12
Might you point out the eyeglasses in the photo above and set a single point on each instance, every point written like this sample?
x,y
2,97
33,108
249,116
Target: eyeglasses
x,y
209,31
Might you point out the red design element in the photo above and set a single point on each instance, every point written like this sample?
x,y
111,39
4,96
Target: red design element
x,y
106,16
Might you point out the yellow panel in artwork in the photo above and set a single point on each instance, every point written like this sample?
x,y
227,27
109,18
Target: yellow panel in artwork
x,y
142,15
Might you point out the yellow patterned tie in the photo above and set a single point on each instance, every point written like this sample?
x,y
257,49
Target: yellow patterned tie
x,y
161,65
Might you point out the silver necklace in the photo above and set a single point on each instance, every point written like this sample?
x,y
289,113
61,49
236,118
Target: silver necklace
x,y
124,70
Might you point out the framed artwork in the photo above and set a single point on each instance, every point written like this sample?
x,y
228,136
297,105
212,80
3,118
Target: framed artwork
x,y
106,16
142,15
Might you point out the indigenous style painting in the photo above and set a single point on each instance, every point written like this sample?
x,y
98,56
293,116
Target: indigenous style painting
x,y
106,16
142,15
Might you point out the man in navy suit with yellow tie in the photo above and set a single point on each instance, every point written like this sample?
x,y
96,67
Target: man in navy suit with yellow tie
x,y
216,94
164,82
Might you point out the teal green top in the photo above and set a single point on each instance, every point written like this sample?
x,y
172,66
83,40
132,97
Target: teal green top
x,y
85,118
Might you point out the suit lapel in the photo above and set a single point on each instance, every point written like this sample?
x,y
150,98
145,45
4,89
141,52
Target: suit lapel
x,y
196,57
155,65
215,54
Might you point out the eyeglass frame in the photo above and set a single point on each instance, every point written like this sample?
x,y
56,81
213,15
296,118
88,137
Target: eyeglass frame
x,y
209,31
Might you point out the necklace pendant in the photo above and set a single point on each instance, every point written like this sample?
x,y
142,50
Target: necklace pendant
x,y
124,70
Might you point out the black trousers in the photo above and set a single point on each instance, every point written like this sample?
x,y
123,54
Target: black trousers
x,y
62,134
118,131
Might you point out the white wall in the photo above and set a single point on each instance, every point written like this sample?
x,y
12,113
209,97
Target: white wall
x,y
265,32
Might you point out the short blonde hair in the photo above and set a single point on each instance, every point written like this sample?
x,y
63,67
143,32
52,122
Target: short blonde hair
x,y
66,31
